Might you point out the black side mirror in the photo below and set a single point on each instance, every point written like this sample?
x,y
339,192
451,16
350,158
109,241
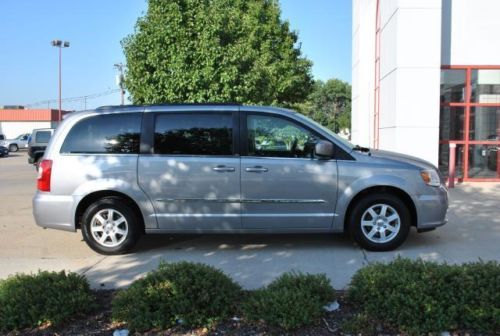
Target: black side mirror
x,y
324,149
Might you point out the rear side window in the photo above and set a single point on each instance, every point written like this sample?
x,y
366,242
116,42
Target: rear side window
x,y
194,134
42,136
105,134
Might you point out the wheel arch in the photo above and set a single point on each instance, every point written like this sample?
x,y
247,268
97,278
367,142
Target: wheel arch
x,y
401,194
94,196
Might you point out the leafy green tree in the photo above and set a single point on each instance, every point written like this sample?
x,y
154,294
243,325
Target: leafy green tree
x,y
329,104
217,51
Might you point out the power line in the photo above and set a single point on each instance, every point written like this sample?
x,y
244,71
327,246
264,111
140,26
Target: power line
x,y
83,99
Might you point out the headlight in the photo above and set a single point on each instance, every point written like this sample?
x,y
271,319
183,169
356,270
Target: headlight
x,y
430,177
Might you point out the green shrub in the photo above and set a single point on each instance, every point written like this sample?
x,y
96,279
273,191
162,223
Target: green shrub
x,y
32,300
291,301
420,297
197,294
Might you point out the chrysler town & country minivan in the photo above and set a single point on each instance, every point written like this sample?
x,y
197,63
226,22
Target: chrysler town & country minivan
x,y
118,172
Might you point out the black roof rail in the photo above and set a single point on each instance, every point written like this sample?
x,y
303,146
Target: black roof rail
x,y
114,107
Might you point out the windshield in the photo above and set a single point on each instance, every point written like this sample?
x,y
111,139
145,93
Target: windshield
x,y
327,130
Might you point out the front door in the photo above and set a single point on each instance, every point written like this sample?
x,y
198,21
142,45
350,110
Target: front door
x,y
193,177
283,185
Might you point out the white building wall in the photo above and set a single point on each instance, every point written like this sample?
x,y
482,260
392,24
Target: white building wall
x,y
363,58
410,63
12,129
470,32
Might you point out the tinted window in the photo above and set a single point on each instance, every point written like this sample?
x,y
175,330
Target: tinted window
x,y
277,137
42,136
194,134
111,133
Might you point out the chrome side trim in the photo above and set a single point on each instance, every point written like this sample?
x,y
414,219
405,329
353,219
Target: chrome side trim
x,y
194,215
231,200
202,215
283,201
214,200
290,215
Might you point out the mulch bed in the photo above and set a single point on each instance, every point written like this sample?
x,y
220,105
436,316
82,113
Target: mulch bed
x,y
100,323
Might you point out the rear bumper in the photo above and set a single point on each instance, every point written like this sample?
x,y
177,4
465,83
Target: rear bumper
x,y
54,211
432,208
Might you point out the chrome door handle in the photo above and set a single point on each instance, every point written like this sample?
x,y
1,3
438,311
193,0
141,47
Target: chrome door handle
x,y
256,169
223,169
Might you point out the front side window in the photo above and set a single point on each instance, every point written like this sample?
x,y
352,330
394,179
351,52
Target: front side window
x,y
277,137
105,134
194,134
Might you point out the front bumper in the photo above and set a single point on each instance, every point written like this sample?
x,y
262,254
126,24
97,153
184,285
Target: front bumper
x,y
54,211
432,208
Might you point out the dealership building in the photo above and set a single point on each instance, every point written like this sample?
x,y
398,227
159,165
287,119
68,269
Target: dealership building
x,y
426,81
16,120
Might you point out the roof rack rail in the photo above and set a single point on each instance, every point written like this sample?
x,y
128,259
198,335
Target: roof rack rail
x,y
112,107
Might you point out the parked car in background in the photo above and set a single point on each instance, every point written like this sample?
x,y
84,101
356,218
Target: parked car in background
x,y
4,151
118,172
20,142
2,137
38,142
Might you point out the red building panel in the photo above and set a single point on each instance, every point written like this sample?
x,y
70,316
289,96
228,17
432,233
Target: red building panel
x,y
29,115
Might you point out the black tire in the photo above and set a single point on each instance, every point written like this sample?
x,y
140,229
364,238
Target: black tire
x,y
394,231
119,208
13,148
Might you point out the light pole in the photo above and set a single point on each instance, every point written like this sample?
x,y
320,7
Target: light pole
x,y
119,81
60,44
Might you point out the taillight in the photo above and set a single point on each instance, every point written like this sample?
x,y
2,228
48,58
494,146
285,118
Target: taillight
x,y
44,172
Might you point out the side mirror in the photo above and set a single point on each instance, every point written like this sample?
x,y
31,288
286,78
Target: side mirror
x,y
324,149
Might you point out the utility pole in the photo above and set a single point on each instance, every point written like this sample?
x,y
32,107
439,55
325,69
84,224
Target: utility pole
x,y
119,81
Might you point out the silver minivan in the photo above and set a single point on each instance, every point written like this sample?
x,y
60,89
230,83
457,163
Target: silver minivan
x,y
119,172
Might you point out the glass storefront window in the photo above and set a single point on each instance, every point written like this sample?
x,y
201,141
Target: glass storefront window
x,y
444,160
485,84
484,161
451,123
452,86
484,123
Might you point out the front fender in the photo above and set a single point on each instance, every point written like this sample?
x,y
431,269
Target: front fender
x,y
350,186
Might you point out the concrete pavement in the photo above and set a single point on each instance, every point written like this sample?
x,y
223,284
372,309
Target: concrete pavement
x,y
473,232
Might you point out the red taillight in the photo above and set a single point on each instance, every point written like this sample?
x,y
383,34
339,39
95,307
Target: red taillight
x,y
44,172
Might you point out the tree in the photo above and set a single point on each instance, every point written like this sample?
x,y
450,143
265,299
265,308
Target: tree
x,y
215,51
329,104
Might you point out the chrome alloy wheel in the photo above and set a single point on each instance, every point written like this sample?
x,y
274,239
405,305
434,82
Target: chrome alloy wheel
x,y
380,223
109,227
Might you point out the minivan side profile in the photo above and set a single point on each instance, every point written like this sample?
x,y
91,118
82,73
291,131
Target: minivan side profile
x,y
118,172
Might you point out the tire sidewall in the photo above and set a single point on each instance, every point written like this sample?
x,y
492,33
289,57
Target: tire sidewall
x,y
130,216
13,148
370,200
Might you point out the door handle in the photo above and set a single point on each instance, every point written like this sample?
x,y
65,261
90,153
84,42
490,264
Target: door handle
x,y
256,169
223,169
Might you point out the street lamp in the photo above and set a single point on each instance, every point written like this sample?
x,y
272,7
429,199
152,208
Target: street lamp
x,y
60,44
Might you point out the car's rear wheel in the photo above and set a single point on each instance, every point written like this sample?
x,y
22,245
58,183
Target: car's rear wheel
x,y
110,226
13,148
380,222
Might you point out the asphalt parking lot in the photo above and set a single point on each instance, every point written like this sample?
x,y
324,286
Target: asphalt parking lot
x,y
473,233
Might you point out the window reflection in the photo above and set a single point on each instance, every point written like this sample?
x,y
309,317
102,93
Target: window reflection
x,y
452,86
485,86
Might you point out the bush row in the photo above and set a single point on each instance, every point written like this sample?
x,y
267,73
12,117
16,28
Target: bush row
x,y
419,297
415,297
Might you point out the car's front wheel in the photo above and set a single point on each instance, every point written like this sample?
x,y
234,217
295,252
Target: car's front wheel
x,y
13,148
380,222
110,226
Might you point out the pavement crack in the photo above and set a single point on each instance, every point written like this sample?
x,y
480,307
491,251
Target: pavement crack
x,y
92,266
365,257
